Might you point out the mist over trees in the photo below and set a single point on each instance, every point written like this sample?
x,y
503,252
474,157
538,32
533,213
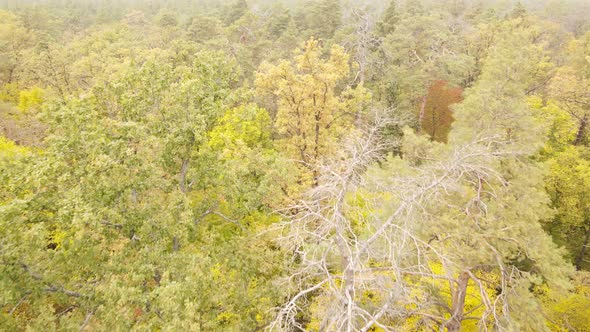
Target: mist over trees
x,y
318,165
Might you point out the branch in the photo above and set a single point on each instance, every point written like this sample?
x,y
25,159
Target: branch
x,y
89,314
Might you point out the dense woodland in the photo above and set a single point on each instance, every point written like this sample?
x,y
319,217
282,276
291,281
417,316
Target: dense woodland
x,y
321,165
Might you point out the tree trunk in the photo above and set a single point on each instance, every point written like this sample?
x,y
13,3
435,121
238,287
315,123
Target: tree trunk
x,y
434,124
316,149
454,323
182,178
175,244
185,164
580,258
11,74
422,109
581,130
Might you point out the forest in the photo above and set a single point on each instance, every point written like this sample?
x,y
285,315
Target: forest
x,y
295,165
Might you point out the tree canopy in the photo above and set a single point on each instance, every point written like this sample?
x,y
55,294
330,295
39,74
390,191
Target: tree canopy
x,y
325,165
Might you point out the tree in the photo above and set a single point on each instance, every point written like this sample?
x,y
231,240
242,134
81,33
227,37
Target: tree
x,y
319,18
14,41
414,166
403,244
519,11
412,65
50,67
235,11
437,117
132,219
167,18
359,39
570,311
567,155
567,184
573,94
279,18
203,28
312,112
390,19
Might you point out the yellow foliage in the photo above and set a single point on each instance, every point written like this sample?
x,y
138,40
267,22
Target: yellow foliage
x,y
570,312
8,149
9,93
559,125
440,287
31,100
313,112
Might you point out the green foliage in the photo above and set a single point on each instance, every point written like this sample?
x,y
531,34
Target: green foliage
x,y
413,64
14,41
280,18
167,18
144,205
147,146
235,11
390,19
319,18
202,28
495,124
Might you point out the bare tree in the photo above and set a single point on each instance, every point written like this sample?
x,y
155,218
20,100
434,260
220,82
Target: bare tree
x,y
363,42
365,246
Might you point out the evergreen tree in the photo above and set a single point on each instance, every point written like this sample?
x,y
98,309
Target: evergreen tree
x,y
390,19
235,11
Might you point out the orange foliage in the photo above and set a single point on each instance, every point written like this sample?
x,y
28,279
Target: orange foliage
x,y
437,116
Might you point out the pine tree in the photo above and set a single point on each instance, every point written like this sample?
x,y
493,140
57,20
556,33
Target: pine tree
x,y
390,19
